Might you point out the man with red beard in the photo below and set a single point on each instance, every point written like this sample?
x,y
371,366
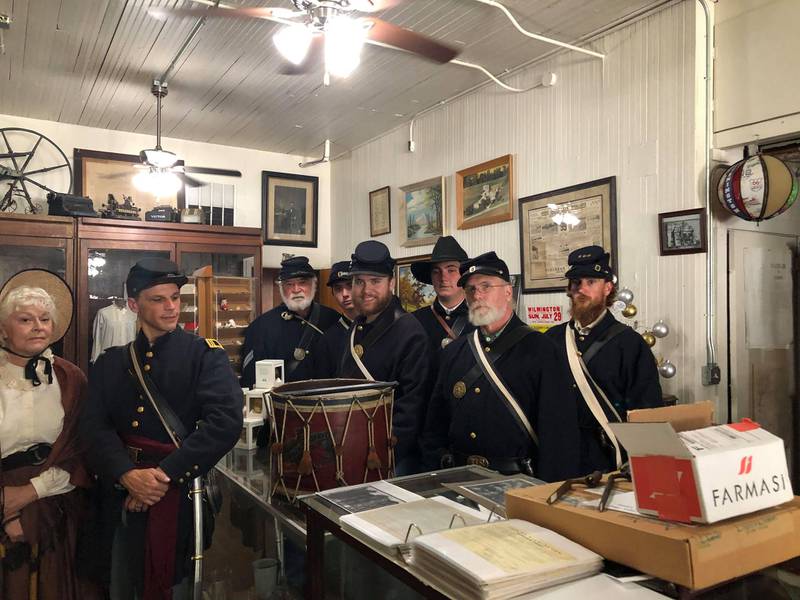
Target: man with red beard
x,y
291,330
388,344
618,372
501,399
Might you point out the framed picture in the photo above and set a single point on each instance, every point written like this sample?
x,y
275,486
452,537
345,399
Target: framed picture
x,y
413,294
289,208
484,193
98,174
422,212
682,232
553,224
380,219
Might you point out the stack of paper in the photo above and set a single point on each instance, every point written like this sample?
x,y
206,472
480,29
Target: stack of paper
x,y
396,525
499,560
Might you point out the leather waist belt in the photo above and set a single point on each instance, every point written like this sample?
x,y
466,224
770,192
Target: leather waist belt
x,y
502,464
32,457
137,455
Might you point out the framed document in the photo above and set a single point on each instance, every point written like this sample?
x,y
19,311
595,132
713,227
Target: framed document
x,y
553,224
380,219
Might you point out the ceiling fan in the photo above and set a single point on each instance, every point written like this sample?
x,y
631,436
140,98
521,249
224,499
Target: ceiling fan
x,y
329,25
159,171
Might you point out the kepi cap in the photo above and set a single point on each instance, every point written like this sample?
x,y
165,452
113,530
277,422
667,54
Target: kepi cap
x,y
149,272
485,264
340,271
296,266
589,261
372,258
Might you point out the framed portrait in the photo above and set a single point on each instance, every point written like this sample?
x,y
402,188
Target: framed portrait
x,y
290,204
413,294
682,232
553,224
422,212
484,193
380,219
98,174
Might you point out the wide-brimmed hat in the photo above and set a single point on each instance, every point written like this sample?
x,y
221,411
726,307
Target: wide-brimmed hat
x,y
446,249
58,290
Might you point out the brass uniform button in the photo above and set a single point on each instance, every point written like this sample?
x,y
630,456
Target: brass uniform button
x,y
196,468
360,327
188,474
447,317
148,355
147,367
581,338
358,349
140,409
459,389
487,349
180,480
473,435
134,424
477,390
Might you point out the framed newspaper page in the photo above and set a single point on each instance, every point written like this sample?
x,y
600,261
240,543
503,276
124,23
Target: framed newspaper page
x,y
553,224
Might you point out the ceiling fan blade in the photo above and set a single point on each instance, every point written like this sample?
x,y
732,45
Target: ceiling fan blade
x,y
405,39
313,58
190,181
212,171
235,13
373,5
115,175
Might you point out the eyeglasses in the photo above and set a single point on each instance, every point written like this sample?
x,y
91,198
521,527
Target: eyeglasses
x,y
483,287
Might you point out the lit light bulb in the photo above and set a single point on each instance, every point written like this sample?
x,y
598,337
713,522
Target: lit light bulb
x,y
344,39
158,183
293,42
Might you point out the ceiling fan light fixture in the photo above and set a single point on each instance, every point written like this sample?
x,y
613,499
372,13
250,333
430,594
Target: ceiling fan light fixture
x,y
157,182
344,39
293,42
161,159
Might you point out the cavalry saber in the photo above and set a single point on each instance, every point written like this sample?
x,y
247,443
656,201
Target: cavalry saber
x,y
197,558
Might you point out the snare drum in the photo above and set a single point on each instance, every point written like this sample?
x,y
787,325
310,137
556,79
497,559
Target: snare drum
x,y
329,433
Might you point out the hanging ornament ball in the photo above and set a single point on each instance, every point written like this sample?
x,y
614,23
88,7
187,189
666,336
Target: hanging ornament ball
x,y
630,311
625,295
667,370
649,338
618,305
661,329
757,188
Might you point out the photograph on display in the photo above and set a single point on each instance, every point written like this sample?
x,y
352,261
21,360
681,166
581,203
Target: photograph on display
x,y
422,212
413,294
682,232
484,193
361,498
290,209
98,174
380,219
555,223
492,494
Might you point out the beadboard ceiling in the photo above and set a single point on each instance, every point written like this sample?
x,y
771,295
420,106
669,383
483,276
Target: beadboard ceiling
x,y
90,62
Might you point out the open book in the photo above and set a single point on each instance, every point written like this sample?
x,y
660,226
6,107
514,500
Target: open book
x,y
499,560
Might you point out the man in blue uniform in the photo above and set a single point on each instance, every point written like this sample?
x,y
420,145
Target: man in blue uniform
x,y
447,318
388,344
291,330
146,518
333,343
500,399
622,372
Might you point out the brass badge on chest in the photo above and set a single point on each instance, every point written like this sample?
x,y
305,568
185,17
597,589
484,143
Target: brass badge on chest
x,y
446,341
359,350
459,389
299,354
286,316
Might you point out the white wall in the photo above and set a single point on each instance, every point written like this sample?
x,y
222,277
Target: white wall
x,y
249,162
633,118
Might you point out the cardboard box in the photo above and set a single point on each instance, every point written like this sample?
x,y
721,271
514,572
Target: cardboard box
x,y
682,417
694,556
705,475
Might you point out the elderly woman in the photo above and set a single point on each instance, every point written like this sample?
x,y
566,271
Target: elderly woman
x,y
41,474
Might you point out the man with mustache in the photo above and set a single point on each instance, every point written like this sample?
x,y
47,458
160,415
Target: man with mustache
x,y
388,344
333,343
291,330
446,319
622,372
501,399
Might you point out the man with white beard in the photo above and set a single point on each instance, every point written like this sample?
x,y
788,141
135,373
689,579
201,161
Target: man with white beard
x,y
291,330
618,372
500,400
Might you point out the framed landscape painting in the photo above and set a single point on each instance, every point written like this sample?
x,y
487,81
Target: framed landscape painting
x,y
422,212
413,294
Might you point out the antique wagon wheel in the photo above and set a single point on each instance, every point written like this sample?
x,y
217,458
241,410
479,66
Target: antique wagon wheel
x,y
27,159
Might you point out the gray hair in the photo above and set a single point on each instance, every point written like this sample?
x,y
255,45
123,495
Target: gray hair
x,y
26,296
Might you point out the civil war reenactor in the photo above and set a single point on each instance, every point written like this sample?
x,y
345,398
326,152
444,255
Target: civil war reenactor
x,y
447,317
291,330
610,367
333,343
388,344
500,400
145,518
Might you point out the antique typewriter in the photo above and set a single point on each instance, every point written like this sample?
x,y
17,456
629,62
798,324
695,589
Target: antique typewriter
x,y
114,210
162,214
66,205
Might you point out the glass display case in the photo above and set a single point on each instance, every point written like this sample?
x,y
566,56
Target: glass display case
x,y
189,319
233,299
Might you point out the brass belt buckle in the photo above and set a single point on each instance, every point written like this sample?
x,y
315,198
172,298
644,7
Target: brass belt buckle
x,y
477,460
134,453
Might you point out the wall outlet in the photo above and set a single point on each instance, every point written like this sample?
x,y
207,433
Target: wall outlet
x,y
711,374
